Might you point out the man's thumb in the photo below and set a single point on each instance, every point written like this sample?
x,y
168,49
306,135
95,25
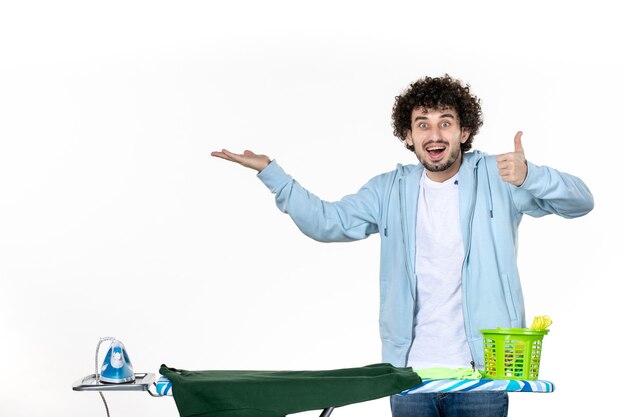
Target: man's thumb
x,y
518,142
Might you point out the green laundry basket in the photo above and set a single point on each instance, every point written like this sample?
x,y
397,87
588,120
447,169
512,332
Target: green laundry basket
x,y
512,353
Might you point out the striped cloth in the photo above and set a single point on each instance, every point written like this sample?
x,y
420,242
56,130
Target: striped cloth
x,y
164,386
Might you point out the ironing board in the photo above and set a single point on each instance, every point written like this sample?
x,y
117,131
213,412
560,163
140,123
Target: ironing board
x,y
163,386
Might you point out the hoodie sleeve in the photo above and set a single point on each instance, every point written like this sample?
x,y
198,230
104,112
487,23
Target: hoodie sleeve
x,y
548,191
354,217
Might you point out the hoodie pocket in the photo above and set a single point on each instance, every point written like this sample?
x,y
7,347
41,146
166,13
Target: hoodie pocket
x,y
508,296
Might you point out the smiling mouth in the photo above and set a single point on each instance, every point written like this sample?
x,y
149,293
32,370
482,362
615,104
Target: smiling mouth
x,y
435,151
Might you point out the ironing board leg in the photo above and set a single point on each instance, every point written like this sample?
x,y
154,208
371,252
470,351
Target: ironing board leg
x,y
327,411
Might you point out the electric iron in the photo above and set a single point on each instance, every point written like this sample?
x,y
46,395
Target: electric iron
x,y
116,367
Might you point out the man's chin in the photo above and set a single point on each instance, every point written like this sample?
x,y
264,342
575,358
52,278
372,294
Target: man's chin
x,y
437,166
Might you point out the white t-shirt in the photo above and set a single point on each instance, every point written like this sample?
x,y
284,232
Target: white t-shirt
x,y
440,339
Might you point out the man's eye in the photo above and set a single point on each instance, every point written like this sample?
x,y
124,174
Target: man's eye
x,y
423,125
445,124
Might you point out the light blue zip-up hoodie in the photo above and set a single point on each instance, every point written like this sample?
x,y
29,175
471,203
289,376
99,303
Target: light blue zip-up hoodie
x,y
490,211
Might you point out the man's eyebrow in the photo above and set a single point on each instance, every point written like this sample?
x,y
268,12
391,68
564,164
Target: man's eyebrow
x,y
444,115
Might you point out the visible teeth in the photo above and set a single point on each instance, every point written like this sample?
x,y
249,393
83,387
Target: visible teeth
x,y
436,148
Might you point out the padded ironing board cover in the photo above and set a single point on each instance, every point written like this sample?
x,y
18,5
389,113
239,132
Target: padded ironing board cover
x,y
278,393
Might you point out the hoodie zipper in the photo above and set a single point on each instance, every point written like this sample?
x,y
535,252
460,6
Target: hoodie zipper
x,y
393,180
468,327
488,188
407,256
403,225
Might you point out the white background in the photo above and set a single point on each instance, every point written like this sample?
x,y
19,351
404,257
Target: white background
x,y
115,221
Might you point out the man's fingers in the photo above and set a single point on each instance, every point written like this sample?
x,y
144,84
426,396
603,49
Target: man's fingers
x,y
247,159
512,166
239,157
518,142
219,154
228,155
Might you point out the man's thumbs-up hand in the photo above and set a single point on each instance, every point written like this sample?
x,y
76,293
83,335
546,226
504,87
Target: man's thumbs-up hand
x,y
512,166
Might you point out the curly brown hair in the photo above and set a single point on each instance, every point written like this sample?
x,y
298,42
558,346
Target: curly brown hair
x,y
438,93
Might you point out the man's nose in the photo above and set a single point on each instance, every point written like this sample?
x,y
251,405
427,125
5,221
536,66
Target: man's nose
x,y
435,133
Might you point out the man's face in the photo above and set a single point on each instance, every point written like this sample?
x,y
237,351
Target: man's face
x,y
437,136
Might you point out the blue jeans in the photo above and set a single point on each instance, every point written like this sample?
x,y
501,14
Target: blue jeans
x,y
454,404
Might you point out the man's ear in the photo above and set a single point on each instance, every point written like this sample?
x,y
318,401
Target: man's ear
x,y
407,137
464,135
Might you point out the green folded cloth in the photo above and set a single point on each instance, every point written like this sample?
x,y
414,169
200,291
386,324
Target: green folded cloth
x,y
449,373
278,393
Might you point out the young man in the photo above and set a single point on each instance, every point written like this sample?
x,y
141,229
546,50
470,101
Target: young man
x,y
448,229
